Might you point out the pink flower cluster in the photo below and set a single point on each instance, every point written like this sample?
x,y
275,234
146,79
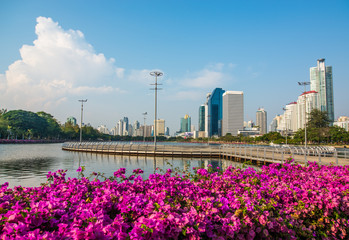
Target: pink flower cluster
x,y
279,202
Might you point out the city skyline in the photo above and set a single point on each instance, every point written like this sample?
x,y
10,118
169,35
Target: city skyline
x,y
53,54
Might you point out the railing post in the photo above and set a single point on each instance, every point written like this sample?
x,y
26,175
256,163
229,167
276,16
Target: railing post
x,y
336,154
273,153
265,154
122,149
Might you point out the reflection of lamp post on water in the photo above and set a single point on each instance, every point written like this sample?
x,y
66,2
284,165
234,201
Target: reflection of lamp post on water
x,y
82,109
145,117
156,74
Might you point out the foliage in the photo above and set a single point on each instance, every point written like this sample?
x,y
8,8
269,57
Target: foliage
x,y
271,137
53,129
318,119
279,202
24,123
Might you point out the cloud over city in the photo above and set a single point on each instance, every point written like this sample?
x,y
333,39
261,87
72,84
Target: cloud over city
x,y
59,64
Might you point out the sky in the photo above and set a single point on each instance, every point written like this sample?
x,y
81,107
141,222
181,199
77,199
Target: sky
x,y
54,53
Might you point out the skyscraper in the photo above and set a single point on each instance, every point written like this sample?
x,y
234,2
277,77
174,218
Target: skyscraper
x,y
261,120
160,127
215,104
185,124
321,81
233,112
206,114
202,118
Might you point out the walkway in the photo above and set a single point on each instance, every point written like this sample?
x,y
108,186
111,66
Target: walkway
x,y
259,155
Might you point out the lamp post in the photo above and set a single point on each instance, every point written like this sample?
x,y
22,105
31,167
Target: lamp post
x,y
156,74
145,116
305,111
285,123
82,109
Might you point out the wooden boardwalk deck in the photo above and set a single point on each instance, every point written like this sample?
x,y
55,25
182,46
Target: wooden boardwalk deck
x,y
255,154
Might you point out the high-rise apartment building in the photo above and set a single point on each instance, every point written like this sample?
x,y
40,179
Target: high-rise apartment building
x,y
206,114
202,118
311,98
321,81
342,122
261,120
232,112
71,120
160,127
120,127
215,104
185,124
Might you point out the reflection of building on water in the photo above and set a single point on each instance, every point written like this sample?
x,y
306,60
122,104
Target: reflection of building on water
x,y
216,164
158,162
226,164
186,165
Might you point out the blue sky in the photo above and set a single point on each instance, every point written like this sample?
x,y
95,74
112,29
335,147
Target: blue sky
x,y
53,53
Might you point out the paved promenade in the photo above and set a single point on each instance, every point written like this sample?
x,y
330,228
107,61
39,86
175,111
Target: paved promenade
x,y
259,155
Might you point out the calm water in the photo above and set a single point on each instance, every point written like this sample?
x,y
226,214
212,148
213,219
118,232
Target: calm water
x,y
28,164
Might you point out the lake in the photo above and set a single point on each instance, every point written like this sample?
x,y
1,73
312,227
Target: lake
x,y
27,164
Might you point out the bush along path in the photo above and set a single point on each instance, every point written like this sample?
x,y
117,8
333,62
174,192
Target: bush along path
x,y
279,202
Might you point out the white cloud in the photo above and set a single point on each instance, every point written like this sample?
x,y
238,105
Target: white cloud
x,y
214,75
204,79
186,95
60,63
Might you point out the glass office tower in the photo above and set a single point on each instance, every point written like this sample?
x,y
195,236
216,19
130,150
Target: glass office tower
x,y
215,104
186,124
202,118
321,81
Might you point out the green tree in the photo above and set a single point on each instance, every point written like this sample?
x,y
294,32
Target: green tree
x,y
70,131
53,129
20,121
318,119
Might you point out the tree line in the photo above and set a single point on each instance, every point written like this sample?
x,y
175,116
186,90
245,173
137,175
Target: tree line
x,y
20,124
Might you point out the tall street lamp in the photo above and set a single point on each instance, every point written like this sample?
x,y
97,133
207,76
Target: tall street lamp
x,y
156,74
82,109
145,116
285,123
305,111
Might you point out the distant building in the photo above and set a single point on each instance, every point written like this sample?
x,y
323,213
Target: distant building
x,y
233,112
342,122
202,118
120,128
167,131
185,124
71,120
261,120
206,115
103,129
136,125
321,81
249,124
215,105
160,127
145,130
274,124
312,102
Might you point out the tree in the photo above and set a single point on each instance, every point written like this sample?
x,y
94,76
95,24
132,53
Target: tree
x,y
318,119
53,129
20,121
3,111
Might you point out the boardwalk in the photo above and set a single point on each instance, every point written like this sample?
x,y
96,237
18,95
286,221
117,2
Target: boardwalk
x,y
259,155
